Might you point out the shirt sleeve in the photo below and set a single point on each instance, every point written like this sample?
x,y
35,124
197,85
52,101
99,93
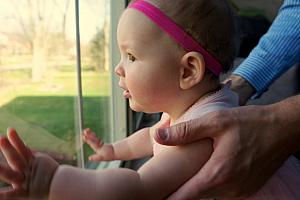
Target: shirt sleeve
x,y
277,50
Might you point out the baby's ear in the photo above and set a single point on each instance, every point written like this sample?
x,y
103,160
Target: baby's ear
x,y
192,70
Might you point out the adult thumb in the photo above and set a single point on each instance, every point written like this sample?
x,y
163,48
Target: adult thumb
x,y
182,133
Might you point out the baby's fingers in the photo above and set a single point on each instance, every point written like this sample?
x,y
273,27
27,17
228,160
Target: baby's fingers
x,y
95,158
93,142
9,193
9,176
88,132
14,159
95,145
18,144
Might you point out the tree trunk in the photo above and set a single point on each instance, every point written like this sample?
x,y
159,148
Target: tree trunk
x,y
39,60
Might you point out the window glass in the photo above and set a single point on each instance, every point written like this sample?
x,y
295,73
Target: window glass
x,y
38,79
95,63
37,59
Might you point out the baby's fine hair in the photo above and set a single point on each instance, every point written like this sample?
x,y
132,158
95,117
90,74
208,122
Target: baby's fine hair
x,y
210,22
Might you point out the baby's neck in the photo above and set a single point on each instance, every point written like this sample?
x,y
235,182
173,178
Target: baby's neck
x,y
189,98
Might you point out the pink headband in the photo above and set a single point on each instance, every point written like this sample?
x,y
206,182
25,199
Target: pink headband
x,y
177,33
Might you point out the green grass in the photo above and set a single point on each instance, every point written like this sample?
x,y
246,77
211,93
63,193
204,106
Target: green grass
x,y
45,113
56,114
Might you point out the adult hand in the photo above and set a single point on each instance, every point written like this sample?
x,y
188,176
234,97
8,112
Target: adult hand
x,y
247,144
30,174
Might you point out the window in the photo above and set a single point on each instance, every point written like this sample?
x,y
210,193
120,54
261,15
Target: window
x,y
39,90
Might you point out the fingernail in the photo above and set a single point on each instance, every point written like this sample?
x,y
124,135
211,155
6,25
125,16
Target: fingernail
x,y
162,134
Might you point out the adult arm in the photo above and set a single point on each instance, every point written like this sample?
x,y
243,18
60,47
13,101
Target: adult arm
x,y
248,147
276,52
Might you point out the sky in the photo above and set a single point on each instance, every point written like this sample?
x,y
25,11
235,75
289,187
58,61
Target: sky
x,y
92,14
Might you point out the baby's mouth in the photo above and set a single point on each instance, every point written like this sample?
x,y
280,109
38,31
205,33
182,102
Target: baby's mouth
x,y
126,94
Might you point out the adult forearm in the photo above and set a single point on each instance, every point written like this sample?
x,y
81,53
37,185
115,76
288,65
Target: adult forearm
x,y
277,51
285,117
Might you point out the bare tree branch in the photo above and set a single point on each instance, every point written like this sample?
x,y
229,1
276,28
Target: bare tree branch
x,y
18,17
64,12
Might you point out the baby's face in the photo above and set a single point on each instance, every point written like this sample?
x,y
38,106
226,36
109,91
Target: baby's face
x,y
149,68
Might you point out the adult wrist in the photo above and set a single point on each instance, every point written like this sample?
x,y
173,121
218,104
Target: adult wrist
x,y
242,87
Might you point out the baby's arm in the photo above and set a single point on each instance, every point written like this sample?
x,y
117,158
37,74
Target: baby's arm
x,y
71,183
124,149
157,179
174,165
31,175
160,176
135,146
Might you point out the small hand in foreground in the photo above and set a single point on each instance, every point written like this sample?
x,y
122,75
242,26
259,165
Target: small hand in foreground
x,y
103,152
29,174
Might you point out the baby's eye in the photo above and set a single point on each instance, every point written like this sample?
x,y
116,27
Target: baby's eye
x,y
131,57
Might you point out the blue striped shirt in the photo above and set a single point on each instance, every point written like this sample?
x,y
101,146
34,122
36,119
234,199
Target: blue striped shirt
x,y
277,50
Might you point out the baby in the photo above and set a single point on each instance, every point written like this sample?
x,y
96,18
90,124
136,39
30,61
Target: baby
x,y
172,53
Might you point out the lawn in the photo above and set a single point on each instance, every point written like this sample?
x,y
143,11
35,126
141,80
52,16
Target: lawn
x,y
45,113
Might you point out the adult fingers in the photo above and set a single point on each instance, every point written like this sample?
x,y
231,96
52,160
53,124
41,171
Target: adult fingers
x,y
190,131
9,176
18,144
15,161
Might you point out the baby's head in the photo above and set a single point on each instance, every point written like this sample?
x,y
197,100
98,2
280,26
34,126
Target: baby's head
x,y
210,23
171,46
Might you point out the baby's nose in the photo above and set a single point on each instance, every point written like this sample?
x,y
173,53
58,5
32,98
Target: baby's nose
x,y
119,70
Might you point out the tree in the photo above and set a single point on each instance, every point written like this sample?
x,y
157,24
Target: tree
x,y
36,21
97,54
99,45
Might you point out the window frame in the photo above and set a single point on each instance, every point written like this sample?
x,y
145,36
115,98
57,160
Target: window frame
x,y
119,108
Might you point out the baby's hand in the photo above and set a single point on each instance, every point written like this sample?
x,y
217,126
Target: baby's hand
x,y
103,152
29,174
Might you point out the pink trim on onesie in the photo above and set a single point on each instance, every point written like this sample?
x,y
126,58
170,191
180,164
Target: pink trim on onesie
x,y
176,32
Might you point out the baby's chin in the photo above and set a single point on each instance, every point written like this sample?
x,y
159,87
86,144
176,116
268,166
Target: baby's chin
x,y
138,108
